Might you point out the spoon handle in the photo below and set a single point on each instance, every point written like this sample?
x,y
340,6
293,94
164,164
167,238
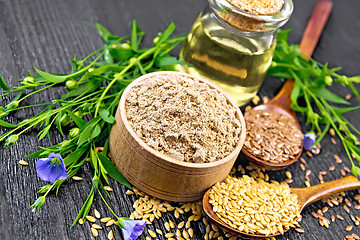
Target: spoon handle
x,y
314,193
307,45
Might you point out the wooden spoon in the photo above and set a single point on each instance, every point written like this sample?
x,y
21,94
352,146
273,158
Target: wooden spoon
x,y
305,197
281,102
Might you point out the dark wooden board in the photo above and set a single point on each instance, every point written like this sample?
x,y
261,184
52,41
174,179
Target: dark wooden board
x,y
47,34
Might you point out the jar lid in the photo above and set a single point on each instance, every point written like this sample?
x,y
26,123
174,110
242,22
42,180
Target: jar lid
x,y
253,15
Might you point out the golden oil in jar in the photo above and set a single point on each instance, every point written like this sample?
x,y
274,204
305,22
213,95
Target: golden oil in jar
x,y
235,60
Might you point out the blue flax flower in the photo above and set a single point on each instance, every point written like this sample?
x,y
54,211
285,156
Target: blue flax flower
x,y
309,140
51,168
133,229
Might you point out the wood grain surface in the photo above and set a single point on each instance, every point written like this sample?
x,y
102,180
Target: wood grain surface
x,y
47,34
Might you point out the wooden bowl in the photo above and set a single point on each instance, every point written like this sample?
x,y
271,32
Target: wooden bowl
x,y
159,175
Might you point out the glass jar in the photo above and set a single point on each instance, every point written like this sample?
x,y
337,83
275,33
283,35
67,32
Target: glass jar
x,y
233,48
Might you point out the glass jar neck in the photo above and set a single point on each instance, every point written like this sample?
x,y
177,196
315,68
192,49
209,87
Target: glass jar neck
x,y
235,19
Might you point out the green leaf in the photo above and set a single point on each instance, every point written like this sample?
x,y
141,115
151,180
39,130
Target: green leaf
x,y
3,84
87,130
94,159
6,124
166,34
75,156
43,132
77,120
104,33
329,96
104,114
113,172
58,125
51,77
37,154
95,132
86,207
89,86
340,111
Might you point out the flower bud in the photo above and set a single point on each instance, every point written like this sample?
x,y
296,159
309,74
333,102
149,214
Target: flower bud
x,y
65,120
45,188
133,61
125,46
79,114
13,105
328,80
64,144
11,140
74,132
156,40
38,204
71,84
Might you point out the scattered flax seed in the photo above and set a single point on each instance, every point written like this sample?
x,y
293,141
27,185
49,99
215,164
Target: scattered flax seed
x,y
151,233
333,141
94,232
309,154
247,108
109,223
187,225
159,231
343,173
81,221
347,201
348,97
332,132
288,174
265,99
332,218
331,168
169,235
349,228
24,163
347,169
357,207
355,236
105,220
96,213
320,177
288,180
303,160
325,209
299,230
90,219
337,158
307,184
353,218
172,225
326,222
181,225
340,217
110,235
314,215
302,166
323,173
96,226
308,172
307,178
77,178
129,192
357,197
167,226
255,100
109,189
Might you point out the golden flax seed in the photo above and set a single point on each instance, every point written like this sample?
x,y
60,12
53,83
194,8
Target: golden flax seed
x,y
94,232
108,188
90,219
151,233
81,221
110,235
96,213
331,168
299,230
96,226
340,217
333,141
24,163
77,178
105,220
349,228
129,192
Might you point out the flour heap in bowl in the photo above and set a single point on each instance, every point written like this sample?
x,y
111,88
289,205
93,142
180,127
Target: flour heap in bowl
x,y
183,118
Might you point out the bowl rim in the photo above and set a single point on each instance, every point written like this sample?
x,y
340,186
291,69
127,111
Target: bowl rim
x,y
233,154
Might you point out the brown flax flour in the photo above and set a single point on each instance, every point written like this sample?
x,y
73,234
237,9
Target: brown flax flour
x,y
183,118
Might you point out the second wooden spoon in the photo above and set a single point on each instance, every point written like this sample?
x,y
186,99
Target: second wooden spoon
x,y
281,102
